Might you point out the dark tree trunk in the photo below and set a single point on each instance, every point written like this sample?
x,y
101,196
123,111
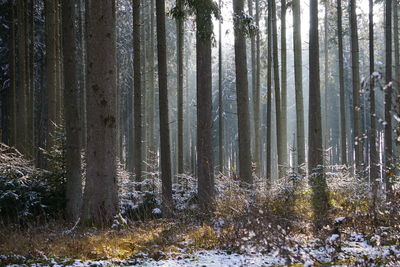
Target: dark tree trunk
x,y
163,109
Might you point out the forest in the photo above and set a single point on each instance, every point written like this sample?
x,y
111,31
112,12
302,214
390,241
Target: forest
x,y
199,133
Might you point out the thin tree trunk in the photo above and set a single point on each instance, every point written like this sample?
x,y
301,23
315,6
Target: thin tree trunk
x,y
100,203
278,115
343,145
220,100
327,132
298,73
137,91
388,97
163,109
315,153
256,95
13,93
356,87
51,62
242,96
374,168
269,93
283,107
180,46
72,118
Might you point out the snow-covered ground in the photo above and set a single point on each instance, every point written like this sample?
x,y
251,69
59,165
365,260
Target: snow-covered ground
x,y
354,250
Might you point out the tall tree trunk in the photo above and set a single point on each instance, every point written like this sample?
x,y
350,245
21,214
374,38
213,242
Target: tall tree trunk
x,y
100,203
396,44
388,98
13,93
278,124
257,112
205,168
315,154
30,79
283,107
242,95
342,92
269,92
137,91
298,76
51,61
256,95
220,100
374,168
355,66
179,40
326,132
151,86
21,92
163,109
71,115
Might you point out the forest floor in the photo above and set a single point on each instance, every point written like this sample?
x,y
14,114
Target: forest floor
x,y
170,243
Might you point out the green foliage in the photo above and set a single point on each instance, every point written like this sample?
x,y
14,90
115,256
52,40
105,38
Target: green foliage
x,y
27,193
245,24
203,10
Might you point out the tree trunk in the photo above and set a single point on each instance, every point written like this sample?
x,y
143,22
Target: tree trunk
x,y
137,92
256,94
242,95
51,61
12,95
283,112
298,73
356,87
220,100
374,168
71,115
180,45
205,168
163,109
269,93
388,98
21,92
101,196
343,146
315,153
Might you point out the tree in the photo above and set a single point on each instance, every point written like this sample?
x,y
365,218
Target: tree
x,y
220,100
254,41
374,171
137,91
12,123
242,93
71,113
205,168
163,109
283,107
100,200
343,145
388,96
269,91
355,67
315,153
21,91
180,46
51,61
298,76
279,121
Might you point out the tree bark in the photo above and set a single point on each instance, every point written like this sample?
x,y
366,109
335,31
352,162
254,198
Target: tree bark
x,y
298,73
343,145
315,153
163,109
137,92
220,100
71,113
388,98
269,92
180,46
242,96
283,112
13,93
356,87
100,203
